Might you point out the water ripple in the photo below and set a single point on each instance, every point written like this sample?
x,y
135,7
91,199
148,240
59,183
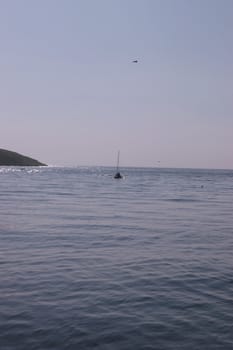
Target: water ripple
x,y
90,263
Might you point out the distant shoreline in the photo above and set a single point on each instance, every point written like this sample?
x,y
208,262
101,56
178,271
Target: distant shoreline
x,y
10,158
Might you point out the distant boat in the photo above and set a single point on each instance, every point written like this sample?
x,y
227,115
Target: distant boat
x,y
118,174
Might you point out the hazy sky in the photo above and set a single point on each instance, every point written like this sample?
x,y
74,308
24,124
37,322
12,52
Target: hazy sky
x,y
70,94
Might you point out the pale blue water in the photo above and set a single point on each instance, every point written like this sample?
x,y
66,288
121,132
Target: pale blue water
x,y
89,262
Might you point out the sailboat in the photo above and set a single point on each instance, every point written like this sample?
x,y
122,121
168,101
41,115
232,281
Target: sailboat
x,y
118,174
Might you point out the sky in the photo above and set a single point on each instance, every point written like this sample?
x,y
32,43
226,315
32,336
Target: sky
x,y
70,94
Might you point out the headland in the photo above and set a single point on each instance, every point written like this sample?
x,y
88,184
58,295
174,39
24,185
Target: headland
x,y
9,158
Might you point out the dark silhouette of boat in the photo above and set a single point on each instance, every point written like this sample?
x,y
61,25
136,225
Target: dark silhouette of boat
x,y
118,174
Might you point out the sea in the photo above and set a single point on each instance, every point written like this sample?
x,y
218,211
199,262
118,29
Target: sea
x,y
91,262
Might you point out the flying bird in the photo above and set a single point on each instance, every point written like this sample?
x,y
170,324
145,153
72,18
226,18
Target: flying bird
x,y
135,61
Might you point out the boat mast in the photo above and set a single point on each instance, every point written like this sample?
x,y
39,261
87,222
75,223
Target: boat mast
x,y
118,175
118,158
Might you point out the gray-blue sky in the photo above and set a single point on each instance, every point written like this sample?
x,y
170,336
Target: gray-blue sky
x,y
71,96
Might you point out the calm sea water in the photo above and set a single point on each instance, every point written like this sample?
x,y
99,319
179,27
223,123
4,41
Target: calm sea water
x,y
89,262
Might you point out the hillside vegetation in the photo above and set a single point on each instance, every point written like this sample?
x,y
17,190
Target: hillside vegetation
x,y
12,158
